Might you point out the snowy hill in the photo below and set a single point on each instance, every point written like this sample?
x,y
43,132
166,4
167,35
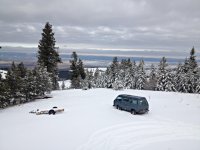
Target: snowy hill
x,y
91,123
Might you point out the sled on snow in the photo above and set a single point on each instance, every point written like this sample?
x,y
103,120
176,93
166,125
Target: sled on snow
x,y
52,111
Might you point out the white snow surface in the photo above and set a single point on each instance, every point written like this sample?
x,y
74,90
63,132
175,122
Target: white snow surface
x,y
3,73
90,122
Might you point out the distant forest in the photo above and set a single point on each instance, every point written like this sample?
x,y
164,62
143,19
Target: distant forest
x,y
126,74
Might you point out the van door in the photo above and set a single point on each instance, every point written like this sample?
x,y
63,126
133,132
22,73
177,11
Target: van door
x,y
126,103
134,104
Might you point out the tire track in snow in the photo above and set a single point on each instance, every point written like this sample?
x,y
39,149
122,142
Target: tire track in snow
x,y
139,134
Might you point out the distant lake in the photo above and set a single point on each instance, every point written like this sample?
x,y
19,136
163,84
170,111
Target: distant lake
x,y
95,60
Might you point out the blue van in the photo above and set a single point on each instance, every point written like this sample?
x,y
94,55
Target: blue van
x,y
133,104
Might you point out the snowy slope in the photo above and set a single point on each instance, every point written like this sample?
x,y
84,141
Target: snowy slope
x,y
91,123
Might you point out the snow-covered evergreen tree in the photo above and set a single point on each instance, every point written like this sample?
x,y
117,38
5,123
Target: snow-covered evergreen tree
x,y
152,81
133,74
48,56
77,71
189,75
13,82
42,81
30,86
179,78
100,81
140,76
193,71
197,90
5,93
165,80
125,73
96,76
88,83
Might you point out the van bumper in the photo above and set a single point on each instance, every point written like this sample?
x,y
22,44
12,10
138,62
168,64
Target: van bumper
x,y
143,111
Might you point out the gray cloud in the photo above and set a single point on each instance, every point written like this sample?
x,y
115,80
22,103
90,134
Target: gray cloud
x,y
153,24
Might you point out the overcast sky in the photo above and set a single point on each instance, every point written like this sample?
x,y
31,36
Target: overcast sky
x,y
108,24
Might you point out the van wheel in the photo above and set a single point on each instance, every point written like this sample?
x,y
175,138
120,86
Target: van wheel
x,y
117,107
133,112
52,112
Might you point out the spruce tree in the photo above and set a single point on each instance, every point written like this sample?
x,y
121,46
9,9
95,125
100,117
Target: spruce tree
x,y
133,73
192,61
165,80
141,76
12,80
125,72
77,71
190,74
48,57
96,78
5,93
112,73
180,78
42,80
152,79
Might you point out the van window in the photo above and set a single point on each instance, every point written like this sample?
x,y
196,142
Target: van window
x,y
125,99
119,98
133,101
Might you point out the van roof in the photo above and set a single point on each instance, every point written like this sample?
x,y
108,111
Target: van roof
x,y
132,96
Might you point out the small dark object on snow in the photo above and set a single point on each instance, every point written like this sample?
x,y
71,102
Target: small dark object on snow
x,y
52,112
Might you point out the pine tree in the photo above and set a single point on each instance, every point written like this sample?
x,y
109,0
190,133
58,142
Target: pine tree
x,y
114,68
5,93
141,76
179,78
99,79
192,61
152,78
21,73
133,73
125,73
193,71
30,86
96,77
48,57
77,71
164,82
42,81
12,79
197,90
111,73
190,74
88,82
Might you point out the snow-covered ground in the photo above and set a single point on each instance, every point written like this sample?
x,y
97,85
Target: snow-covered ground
x,y
90,122
3,73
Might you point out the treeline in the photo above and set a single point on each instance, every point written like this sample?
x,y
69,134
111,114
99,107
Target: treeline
x,y
129,75
22,85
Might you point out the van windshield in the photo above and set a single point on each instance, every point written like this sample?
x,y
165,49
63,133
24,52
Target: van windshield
x,y
142,102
